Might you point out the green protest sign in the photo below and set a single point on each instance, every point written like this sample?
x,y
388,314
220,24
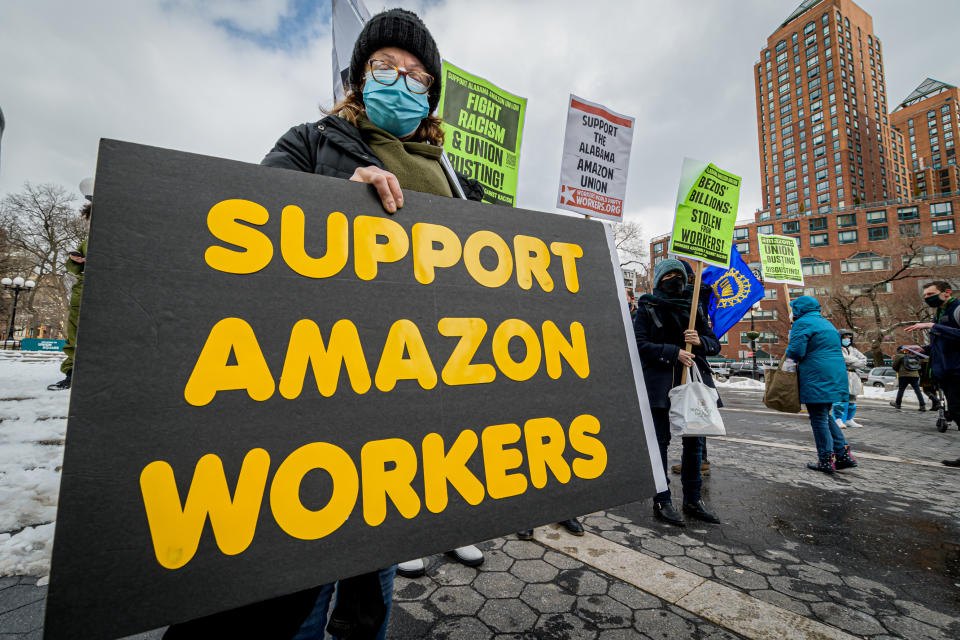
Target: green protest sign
x,y
707,201
483,125
780,259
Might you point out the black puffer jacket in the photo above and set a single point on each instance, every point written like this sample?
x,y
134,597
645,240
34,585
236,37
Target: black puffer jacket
x,y
333,147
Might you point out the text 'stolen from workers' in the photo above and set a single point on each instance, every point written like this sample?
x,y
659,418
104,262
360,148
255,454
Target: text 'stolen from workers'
x,y
483,128
596,159
707,200
279,385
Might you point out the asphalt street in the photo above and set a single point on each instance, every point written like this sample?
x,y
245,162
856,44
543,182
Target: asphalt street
x,y
872,552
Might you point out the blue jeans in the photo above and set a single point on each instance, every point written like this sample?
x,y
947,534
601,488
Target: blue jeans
x,y
826,433
313,627
844,411
689,462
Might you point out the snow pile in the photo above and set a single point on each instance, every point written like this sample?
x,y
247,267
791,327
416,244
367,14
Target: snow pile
x,y
33,422
740,383
881,394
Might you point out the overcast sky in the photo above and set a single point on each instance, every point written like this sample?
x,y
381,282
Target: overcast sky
x,y
228,77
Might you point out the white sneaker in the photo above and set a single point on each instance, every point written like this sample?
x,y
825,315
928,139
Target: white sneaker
x,y
468,555
841,424
852,424
411,568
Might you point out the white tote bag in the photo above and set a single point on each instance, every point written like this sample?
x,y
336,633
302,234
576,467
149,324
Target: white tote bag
x,y
693,408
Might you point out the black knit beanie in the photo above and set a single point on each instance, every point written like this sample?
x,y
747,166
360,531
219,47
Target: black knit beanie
x,y
397,28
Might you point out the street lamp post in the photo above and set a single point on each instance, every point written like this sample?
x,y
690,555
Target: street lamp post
x,y
16,285
753,334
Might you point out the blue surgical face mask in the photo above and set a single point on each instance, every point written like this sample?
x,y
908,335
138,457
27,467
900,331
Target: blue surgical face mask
x,y
394,108
845,342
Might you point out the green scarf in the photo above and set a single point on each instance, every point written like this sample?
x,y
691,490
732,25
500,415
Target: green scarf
x,y
416,164
942,308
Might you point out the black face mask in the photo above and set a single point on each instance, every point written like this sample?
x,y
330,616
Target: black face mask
x,y
934,300
672,287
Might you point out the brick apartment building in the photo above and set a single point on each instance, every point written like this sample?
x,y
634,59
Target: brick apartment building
x,y
871,197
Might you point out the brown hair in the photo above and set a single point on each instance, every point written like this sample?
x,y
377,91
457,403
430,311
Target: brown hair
x,y
351,107
941,285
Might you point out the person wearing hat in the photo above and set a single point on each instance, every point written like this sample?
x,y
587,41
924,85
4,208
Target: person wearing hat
x,y
381,133
75,262
843,412
907,364
662,334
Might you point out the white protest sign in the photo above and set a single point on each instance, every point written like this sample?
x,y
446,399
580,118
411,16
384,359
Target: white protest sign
x,y
596,157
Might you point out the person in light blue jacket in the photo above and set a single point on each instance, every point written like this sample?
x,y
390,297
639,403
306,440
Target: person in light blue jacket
x,y
822,376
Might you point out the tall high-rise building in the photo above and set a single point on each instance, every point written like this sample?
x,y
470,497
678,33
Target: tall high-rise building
x,y
929,121
824,137
871,198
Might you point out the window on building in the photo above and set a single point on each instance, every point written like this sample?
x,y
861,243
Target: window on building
x,y
876,217
865,261
910,230
941,227
765,229
877,233
819,239
933,256
908,213
818,224
791,227
861,289
941,209
658,247
847,237
847,220
743,247
765,314
814,267
741,233
769,294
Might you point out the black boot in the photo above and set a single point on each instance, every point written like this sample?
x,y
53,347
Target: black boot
x,y
952,463
845,460
573,526
63,385
699,511
525,534
922,408
665,511
895,405
824,464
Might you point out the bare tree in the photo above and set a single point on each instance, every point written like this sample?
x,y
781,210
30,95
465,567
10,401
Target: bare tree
x,y
41,224
632,248
865,302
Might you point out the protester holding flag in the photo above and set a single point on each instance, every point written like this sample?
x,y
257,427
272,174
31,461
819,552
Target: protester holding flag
x,y
662,335
822,379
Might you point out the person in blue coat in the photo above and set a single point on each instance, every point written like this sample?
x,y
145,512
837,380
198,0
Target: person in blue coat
x,y
662,335
822,377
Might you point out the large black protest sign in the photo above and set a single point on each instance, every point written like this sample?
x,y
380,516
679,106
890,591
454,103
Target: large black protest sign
x,y
278,385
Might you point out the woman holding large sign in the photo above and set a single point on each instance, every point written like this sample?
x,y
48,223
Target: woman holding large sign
x,y
382,134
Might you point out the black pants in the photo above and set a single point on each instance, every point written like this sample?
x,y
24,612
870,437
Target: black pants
x,y
689,463
903,382
951,392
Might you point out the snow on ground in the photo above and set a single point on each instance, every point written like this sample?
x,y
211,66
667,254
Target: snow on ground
x,y
33,423
740,383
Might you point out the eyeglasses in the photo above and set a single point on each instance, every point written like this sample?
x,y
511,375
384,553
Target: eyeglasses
x,y
388,74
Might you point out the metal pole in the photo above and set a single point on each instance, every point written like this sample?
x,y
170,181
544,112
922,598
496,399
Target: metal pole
x,y
13,313
753,347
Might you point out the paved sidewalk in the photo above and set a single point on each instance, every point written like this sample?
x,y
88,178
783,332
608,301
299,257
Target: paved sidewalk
x,y
871,552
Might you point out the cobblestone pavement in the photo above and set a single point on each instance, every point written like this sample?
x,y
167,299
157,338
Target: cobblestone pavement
x,y
872,552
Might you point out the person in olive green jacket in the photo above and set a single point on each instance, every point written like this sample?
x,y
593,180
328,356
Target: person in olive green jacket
x,y
907,364
75,262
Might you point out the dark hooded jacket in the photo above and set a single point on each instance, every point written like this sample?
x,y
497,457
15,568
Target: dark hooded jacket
x,y
333,147
658,327
815,346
